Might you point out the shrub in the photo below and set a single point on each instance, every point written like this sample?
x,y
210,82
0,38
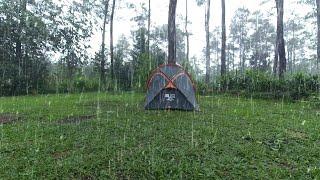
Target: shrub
x,y
261,84
80,84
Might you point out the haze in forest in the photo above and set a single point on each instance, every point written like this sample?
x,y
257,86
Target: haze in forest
x,y
159,16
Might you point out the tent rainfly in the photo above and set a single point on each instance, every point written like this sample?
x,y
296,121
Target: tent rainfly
x,y
170,87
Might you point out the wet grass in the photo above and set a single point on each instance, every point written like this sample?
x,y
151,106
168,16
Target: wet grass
x,y
8,118
91,136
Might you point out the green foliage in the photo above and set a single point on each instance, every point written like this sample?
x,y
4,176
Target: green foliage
x,y
78,85
30,33
23,39
314,101
261,84
9,81
302,86
86,85
205,89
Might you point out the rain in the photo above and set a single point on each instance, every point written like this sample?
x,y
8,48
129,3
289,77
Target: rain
x,y
173,89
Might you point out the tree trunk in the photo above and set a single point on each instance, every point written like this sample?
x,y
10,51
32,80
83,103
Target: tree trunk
x,y
243,54
103,60
187,33
223,39
21,26
289,59
318,34
233,55
281,46
111,40
149,24
207,28
240,55
276,59
241,51
293,61
257,52
172,32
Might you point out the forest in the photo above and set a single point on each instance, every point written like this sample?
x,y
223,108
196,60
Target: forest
x,y
170,89
46,48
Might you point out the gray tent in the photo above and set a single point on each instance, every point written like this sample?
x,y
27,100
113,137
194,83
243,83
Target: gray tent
x,y
170,87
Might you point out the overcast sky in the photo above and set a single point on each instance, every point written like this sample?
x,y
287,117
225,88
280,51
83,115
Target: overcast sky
x,y
159,16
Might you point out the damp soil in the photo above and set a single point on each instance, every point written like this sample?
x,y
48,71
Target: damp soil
x,y
9,118
76,119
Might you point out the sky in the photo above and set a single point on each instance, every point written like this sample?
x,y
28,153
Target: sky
x,y
159,16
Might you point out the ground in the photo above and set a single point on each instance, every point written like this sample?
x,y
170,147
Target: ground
x,y
100,135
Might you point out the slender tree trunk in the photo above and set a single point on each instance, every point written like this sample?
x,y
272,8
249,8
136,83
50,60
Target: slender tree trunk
x,y
228,57
318,34
240,55
207,28
149,24
233,55
223,39
103,59
256,57
26,70
241,50
276,59
293,60
172,32
289,59
281,44
111,40
19,57
187,33
243,57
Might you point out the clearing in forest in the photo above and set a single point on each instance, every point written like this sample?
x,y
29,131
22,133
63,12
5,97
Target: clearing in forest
x,y
98,135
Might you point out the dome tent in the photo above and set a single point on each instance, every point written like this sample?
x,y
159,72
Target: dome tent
x,y
170,87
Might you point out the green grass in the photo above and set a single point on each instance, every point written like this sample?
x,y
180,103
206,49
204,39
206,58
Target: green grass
x,y
229,138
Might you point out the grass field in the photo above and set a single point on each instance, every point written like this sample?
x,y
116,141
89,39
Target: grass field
x,y
88,136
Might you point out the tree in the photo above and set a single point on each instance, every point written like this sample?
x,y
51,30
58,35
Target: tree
x,y
231,53
295,38
103,59
172,32
74,28
121,64
262,40
149,24
22,10
280,40
111,41
318,34
25,39
314,39
160,37
239,34
186,32
140,64
223,39
207,28
215,49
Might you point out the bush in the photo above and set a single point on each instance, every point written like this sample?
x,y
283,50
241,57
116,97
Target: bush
x,y
86,85
204,88
264,85
314,101
302,86
80,84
